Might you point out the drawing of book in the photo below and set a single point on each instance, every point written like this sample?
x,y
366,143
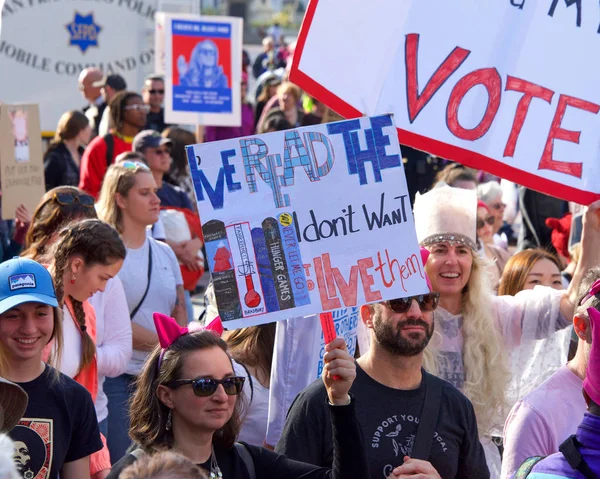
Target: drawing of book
x,y
276,251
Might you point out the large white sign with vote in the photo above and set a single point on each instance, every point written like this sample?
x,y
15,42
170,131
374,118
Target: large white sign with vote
x,y
508,86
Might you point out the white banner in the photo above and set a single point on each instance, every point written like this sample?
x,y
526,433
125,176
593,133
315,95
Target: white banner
x,y
45,45
203,69
306,220
508,86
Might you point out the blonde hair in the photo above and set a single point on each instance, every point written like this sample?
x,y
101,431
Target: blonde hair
x,y
163,465
486,369
119,179
289,87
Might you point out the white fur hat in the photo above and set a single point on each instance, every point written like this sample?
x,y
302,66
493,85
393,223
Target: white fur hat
x,y
446,214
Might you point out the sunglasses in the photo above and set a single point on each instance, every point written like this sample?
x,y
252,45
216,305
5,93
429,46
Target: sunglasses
x,y
205,387
426,302
132,165
497,206
490,220
138,107
64,199
156,92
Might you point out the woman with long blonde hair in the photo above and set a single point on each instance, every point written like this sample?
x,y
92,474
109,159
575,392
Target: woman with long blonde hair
x,y
475,329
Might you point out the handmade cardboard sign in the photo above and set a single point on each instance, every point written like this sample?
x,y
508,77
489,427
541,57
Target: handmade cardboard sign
x,y
307,220
505,86
203,69
21,160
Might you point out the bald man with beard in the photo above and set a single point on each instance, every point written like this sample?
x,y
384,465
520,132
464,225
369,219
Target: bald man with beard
x,y
96,104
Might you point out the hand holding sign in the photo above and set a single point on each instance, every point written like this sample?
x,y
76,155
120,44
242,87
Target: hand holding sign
x,y
338,364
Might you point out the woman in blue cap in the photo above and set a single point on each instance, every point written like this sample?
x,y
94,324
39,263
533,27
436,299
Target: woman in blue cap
x,y
58,430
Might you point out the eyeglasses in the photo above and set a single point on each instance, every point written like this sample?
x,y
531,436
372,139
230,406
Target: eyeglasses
x,y
138,107
497,206
64,199
205,387
156,92
490,220
426,302
132,165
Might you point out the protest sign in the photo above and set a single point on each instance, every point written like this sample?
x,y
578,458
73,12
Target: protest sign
x,y
21,160
307,220
203,63
504,86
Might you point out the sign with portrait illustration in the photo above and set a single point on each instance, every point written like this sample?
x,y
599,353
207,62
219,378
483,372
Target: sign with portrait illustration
x,y
21,158
307,220
203,69
506,86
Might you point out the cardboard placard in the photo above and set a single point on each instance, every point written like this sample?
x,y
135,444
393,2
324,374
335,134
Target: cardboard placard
x,y
307,220
507,87
21,158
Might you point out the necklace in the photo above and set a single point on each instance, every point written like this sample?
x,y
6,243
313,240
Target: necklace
x,y
215,471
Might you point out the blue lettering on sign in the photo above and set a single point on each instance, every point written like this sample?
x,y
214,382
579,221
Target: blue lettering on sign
x,y
375,152
225,176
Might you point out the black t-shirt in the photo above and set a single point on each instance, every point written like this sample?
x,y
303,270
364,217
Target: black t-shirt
x,y
59,426
350,458
156,121
388,419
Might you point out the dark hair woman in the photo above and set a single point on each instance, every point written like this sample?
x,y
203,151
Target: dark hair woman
x,y
63,157
187,401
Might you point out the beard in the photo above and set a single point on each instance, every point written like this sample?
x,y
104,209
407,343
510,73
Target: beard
x,y
394,341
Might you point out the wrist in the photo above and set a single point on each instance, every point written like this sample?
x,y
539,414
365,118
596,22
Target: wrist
x,y
343,401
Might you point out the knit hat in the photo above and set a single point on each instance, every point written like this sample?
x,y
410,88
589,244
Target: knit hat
x,y
561,230
591,383
13,402
446,214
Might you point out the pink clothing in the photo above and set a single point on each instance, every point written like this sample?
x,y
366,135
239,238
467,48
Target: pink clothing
x,y
543,419
215,133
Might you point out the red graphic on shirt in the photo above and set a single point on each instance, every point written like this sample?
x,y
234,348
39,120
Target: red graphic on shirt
x,y
222,257
33,449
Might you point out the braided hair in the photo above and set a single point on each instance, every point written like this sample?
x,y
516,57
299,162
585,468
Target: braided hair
x,y
117,107
96,243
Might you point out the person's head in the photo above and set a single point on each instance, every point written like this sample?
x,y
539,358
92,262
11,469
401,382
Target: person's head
x,y
58,207
127,110
491,194
180,138
176,386
73,125
269,88
87,78
86,255
402,327
528,269
288,95
253,346
163,465
128,196
13,403
29,314
586,323
268,44
457,176
275,121
155,149
153,91
485,224
7,463
110,85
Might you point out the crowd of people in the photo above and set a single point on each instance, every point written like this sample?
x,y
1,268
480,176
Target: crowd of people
x,y
106,372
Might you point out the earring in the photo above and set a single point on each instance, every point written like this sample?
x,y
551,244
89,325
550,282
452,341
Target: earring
x,y
73,278
169,424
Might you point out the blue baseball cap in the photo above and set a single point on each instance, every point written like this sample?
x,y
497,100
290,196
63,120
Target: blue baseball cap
x,y
23,280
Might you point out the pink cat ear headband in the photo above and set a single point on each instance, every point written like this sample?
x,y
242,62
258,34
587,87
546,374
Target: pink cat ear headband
x,y
169,331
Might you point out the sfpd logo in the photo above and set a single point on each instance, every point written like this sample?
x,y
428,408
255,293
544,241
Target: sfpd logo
x,y
83,31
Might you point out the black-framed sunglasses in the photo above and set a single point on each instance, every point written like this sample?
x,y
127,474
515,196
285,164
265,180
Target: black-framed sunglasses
x,y
426,302
490,220
64,199
156,92
204,387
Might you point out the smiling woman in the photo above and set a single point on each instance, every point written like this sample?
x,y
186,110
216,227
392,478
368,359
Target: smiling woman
x,y
58,430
